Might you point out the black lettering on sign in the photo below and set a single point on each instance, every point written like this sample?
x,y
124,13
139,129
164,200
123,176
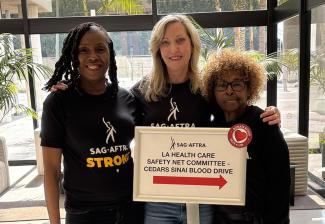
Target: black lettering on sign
x,y
223,171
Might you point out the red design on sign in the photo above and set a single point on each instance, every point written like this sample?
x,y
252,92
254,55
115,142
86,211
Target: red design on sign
x,y
240,135
204,181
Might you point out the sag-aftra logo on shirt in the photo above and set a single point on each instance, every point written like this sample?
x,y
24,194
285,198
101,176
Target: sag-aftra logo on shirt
x,y
110,131
174,113
173,110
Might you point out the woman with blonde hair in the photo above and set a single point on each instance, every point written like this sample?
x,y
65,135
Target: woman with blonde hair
x,y
162,75
174,83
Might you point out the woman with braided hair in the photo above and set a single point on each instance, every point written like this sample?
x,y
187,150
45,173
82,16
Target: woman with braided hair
x,y
91,124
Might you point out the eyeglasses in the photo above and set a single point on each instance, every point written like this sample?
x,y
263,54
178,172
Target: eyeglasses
x,y
237,85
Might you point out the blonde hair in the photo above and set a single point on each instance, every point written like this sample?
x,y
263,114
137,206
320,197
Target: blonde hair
x,y
156,84
227,60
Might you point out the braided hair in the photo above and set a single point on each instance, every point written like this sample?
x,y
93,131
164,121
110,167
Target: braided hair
x,y
66,68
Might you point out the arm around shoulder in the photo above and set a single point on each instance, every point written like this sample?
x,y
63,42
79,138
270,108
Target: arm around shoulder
x,y
271,116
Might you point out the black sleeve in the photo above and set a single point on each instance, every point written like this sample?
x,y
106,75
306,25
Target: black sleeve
x,y
52,125
135,91
218,115
276,158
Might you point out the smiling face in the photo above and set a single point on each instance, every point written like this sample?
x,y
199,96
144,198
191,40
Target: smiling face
x,y
93,56
232,102
176,48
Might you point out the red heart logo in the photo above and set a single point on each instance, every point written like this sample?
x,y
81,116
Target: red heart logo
x,y
240,135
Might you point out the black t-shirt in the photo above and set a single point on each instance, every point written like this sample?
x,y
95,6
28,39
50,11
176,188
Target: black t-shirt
x,y
267,173
180,108
94,132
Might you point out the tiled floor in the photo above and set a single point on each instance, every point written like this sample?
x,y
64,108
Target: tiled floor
x,y
28,222
296,217
307,216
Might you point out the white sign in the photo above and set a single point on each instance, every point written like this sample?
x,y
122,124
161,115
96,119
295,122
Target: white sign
x,y
188,165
